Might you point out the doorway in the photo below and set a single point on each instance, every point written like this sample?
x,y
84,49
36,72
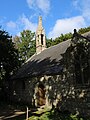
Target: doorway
x,y
41,100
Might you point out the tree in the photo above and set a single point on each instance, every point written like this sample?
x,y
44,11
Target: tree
x,y
83,30
9,62
25,44
61,38
49,42
64,37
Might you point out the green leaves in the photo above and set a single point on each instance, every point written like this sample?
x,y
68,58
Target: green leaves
x,y
64,37
61,38
25,44
8,55
83,30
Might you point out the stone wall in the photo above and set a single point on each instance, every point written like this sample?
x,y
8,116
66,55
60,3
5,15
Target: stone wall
x,y
22,91
60,93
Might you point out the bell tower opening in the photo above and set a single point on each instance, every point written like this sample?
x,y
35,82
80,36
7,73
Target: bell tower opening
x,y
42,39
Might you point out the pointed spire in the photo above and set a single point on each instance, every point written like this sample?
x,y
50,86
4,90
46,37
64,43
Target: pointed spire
x,y
40,27
40,21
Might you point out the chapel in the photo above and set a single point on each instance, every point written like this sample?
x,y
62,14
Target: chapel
x,y
57,76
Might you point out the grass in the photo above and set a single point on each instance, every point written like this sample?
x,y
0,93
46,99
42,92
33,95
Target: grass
x,y
55,115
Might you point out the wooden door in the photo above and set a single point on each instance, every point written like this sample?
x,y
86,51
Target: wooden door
x,y
41,95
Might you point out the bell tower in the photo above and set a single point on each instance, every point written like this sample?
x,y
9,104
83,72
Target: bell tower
x,y
40,37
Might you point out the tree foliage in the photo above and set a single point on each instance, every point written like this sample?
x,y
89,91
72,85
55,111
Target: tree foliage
x,y
64,37
84,30
25,44
8,55
59,39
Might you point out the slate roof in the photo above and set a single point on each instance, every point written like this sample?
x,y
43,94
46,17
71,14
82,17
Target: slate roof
x,y
45,63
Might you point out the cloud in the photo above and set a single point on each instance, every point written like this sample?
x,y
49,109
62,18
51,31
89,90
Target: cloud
x,y
83,7
86,9
27,24
11,24
76,4
66,25
39,5
22,23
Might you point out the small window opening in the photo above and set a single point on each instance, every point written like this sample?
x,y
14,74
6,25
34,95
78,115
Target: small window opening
x,y
42,39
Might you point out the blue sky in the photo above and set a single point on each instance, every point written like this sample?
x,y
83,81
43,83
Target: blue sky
x,y
59,16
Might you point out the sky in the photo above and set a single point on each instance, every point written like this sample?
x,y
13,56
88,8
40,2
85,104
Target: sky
x,y
59,16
